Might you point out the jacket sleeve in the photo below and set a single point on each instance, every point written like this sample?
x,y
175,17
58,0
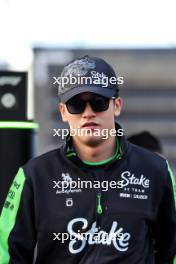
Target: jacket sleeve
x,y
17,228
165,227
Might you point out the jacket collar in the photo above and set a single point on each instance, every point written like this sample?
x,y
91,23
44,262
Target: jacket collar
x,y
70,152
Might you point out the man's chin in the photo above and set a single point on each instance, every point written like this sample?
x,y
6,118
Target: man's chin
x,y
91,140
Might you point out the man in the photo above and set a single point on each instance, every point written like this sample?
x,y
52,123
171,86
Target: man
x,y
147,140
124,213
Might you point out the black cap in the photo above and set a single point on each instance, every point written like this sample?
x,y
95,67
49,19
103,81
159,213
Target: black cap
x,y
87,74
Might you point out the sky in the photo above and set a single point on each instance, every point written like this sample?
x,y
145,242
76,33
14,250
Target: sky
x,y
84,24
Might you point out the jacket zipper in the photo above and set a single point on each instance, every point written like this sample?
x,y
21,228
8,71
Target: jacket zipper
x,y
99,204
98,200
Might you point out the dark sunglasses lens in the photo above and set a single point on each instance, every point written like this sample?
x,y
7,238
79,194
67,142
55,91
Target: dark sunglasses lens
x,y
75,106
99,104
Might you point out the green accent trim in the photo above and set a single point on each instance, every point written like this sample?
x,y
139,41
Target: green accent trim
x,y
173,181
99,206
71,154
174,261
19,124
174,190
8,214
69,147
92,163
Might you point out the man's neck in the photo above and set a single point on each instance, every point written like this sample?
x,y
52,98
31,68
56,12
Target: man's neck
x,y
97,153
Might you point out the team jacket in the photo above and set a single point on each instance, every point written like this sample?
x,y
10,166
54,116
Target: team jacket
x,y
133,221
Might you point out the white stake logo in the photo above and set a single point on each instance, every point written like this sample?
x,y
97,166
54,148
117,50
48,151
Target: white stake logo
x,y
116,236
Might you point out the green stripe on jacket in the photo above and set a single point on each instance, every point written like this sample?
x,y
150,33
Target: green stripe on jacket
x,y
8,214
174,189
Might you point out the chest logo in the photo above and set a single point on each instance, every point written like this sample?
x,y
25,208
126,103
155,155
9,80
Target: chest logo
x,y
65,185
116,236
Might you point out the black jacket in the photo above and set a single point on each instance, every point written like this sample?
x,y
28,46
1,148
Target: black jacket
x,y
138,208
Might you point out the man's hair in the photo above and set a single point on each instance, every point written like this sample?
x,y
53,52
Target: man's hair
x,y
146,140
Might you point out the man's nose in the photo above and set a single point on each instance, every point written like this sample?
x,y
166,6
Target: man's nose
x,y
88,111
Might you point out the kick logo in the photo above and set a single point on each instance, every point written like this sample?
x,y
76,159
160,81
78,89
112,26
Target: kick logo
x,y
116,236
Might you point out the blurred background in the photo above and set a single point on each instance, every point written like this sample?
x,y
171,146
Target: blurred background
x,y
137,37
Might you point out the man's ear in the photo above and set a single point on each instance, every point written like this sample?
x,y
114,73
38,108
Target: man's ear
x,y
62,110
118,106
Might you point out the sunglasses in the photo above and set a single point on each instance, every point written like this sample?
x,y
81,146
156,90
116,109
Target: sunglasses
x,y
77,105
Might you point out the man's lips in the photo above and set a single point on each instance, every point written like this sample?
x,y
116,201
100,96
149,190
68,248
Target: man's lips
x,y
89,125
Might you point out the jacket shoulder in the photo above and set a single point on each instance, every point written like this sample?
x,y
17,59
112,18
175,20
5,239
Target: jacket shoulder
x,y
42,162
148,159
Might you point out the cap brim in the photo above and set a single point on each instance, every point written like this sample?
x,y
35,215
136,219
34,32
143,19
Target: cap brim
x,y
104,91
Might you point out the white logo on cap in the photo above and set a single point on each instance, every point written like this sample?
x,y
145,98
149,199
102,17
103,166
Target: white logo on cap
x,y
79,67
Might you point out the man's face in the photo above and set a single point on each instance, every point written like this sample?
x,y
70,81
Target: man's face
x,y
91,124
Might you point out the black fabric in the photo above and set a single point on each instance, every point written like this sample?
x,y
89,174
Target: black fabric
x,y
141,209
